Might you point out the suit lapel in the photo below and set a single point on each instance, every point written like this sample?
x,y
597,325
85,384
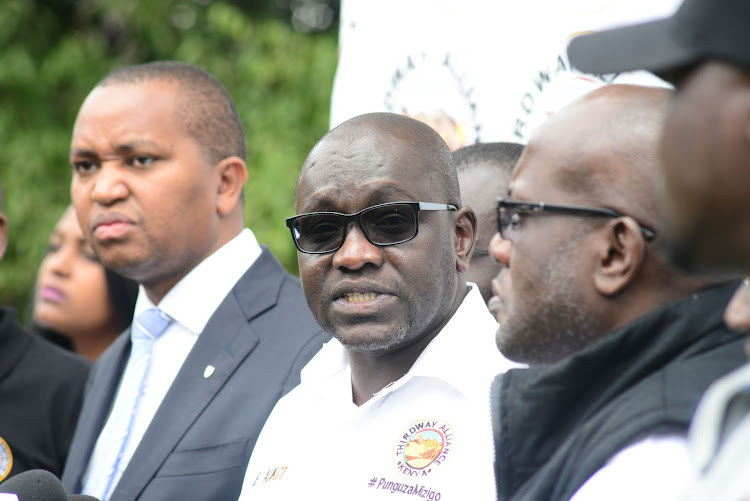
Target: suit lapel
x,y
224,343
103,383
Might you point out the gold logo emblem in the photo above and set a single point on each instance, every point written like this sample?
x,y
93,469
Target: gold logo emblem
x,y
6,459
422,447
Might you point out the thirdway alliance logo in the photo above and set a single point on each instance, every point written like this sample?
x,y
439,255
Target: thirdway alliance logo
x,y
434,89
422,447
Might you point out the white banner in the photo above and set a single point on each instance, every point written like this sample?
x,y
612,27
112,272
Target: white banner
x,y
476,70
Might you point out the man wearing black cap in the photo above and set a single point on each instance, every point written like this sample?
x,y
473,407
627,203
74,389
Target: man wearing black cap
x,y
703,51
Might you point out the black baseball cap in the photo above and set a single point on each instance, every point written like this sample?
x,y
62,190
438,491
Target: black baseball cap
x,y
699,30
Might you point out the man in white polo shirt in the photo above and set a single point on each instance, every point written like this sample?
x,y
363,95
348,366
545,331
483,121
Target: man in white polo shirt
x,y
397,403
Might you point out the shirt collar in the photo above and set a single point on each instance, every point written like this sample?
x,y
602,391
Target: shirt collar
x,y
463,351
194,299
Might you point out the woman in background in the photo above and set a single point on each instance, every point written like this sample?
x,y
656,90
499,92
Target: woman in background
x,y
78,303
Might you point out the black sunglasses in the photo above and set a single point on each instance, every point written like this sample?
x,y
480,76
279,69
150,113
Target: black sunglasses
x,y
509,214
383,224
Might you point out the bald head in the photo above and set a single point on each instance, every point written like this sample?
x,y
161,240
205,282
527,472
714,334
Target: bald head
x,y
596,273
606,144
420,145
409,260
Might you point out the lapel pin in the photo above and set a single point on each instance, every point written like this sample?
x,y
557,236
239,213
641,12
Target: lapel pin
x,y
210,369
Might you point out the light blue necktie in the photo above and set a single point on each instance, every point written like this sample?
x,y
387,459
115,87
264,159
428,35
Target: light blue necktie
x,y
146,329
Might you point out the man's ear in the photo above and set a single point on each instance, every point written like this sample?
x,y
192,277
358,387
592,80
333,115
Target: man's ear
x,y
622,253
466,230
3,234
232,173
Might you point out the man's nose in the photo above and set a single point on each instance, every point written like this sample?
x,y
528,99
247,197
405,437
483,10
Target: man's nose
x,y
500,249
357,251
109,184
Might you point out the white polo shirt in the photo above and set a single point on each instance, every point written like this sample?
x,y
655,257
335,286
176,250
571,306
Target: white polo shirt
x,y
427,435
652,469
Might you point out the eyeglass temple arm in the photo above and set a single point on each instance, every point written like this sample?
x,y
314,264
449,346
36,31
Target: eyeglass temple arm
x,y
648,234
435,206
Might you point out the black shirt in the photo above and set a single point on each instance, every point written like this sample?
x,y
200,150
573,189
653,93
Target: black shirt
x,y
41,391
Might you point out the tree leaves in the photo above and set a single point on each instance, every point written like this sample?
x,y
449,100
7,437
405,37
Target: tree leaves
x,y
54,52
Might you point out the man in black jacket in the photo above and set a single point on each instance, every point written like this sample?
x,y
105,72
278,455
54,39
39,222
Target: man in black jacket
x,y
41,390
702,50
621,344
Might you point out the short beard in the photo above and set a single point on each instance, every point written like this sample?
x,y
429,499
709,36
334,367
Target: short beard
x,y
554,323
373,344
423,319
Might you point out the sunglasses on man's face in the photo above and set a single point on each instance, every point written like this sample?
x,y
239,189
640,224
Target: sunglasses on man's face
x,y
383,224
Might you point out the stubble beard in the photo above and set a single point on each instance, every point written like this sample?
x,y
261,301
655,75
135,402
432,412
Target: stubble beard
x,y
554,323
371,344
425,317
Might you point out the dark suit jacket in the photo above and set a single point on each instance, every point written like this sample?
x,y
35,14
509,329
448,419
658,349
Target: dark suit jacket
x,y
41,391
199,442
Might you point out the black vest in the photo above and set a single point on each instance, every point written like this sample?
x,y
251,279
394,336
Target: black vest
x,y
555,426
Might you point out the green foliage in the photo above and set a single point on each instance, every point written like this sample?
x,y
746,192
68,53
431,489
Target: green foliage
x,y
54,52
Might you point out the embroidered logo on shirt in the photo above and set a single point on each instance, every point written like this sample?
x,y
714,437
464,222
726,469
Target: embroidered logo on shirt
x,y
6,459
423,447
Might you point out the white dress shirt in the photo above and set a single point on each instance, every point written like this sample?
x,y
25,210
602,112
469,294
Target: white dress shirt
x,y
654,468
317,444
190,303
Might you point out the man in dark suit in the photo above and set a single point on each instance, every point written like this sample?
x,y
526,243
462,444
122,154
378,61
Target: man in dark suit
x,y
41,390
220,331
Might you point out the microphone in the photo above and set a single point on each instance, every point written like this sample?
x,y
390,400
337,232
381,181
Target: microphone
x,y
39,485
35,485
